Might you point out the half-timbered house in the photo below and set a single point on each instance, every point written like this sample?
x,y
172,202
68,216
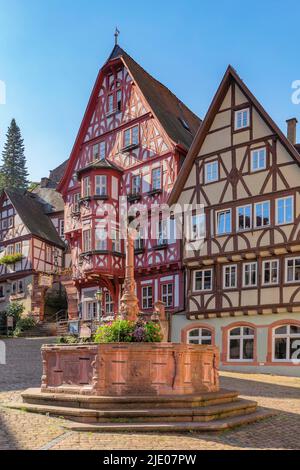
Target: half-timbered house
x,y
31,244
243,271
133,138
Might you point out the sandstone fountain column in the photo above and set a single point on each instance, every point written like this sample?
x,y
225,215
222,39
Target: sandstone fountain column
x,y
129,300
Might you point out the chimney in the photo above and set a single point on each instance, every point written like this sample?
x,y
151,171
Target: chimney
x,y
44,182
292,130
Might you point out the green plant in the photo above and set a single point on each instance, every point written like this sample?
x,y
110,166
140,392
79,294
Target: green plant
x,y
24,324
15,310
67,340
124,331
11,259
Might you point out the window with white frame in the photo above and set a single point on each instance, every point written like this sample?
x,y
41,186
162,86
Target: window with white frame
x,y
197,227
115,240
242,119
167,294
156,178
286,343
108,304
139,241
199,336
211,171
95,152
258,159
86,187
101,238
76,198
86,240
162,232
284,210
241,344
91,310
244,217
101,185
10,222
223,222
270,272
203,280
110,103
250,274
230,276
262,214
18,247
20,286
99,151
10,249
61,228
147,297
49,254
131,136
292,269
136,184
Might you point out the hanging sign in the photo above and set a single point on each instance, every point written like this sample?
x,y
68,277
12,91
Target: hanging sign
x,y
45,280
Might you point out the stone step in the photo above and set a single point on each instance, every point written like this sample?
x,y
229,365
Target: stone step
x,y
35,396
207,413
211,426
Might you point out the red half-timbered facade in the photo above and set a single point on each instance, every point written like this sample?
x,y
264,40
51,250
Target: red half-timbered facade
x,y
131,143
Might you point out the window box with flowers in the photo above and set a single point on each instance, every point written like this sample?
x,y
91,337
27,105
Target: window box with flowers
x,y
11,259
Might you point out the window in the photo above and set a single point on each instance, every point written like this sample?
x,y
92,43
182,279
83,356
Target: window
x,y
99,151
49,254
162,232
110,103
76,198
147,300
199,336
108,304
156,179
4,224
13,288
101,238
244,217
258,159
286,342
10,249
91,310
241,344
101,185
284,210
2,292
10,222
20,286
197,227
203,280
167,294
229,276
250,274
262,214
87,246
131,136
119,100
115,240
293,270
211,172
61,228
139,241
95,152
241,119
18,247
270,272
223,222
86,187
136,184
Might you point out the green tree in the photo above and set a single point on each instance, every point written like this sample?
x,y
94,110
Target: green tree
x,y
13,171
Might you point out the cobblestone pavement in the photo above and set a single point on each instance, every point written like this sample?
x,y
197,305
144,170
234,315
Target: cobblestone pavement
x,y
22,430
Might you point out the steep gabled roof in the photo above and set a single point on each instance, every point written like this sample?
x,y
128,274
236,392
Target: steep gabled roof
x,y
32,214
229,77
57,174
104,163
178,121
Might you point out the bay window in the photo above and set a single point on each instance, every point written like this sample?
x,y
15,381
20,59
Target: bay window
x,y
86,240
86,186
101,185
100,238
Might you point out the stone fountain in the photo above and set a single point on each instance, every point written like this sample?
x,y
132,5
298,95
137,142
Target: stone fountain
x,y
137,386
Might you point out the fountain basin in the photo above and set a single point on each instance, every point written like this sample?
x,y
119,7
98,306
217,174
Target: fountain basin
x,y
130,369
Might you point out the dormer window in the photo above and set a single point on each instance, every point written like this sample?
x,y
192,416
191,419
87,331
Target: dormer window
x,y
242,119
101,185
131,136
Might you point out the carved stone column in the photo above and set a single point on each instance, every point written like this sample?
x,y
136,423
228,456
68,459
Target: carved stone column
x,y
129,300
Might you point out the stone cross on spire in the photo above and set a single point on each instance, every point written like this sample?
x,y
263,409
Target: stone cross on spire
x,y
117,32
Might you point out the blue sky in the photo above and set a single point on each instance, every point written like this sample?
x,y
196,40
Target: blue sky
x,y
51,50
